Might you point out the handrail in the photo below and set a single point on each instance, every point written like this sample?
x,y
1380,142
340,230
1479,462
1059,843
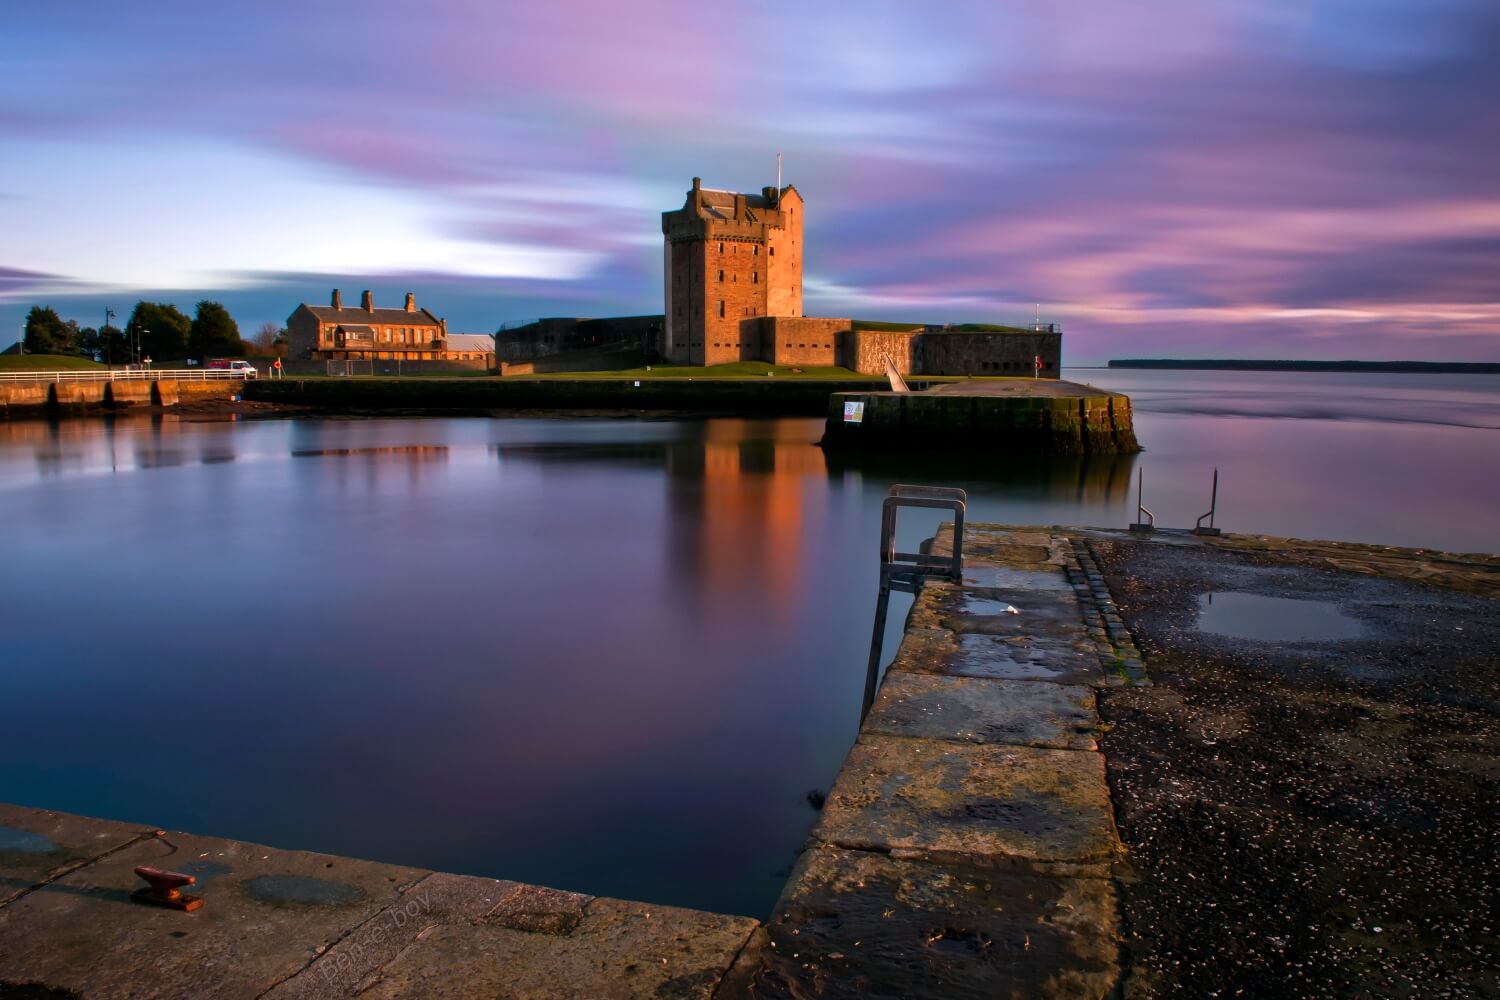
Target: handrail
x,y
907,571
116,375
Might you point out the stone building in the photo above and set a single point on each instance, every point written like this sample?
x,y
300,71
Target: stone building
x,y
733,277
729,258
336,333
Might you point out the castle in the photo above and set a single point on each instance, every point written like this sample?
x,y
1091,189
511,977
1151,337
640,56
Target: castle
x,y
729,258
732,269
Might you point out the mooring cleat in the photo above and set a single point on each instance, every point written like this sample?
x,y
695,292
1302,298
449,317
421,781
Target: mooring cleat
x,y
164,889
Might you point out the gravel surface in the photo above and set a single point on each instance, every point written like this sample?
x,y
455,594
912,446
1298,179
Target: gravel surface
x,y
1306,819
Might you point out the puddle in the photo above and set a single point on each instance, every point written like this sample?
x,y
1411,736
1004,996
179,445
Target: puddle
x,y
24,842
1274,619
301,889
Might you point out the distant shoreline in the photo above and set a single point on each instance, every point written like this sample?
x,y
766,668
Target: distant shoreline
x,y
1426,367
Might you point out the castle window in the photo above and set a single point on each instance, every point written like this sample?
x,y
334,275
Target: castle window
x,y
756,251
755,277
721,248
721,274
721,308
771,251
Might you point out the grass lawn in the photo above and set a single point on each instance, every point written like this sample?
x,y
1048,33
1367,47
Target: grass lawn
x,y
734,370
875,324
44,363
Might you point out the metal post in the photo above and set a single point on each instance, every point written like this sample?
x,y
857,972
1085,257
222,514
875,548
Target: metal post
x,y
1144,519
1213,504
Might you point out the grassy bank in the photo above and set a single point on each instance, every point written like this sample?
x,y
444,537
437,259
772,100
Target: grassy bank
x,y
734,370
613,391
45,363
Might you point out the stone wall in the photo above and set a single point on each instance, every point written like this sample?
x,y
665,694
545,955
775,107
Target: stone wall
x,y
548,337
864,351
962,352
1058,425
798,340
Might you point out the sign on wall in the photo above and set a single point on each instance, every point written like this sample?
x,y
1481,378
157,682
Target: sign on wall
x,y
854,412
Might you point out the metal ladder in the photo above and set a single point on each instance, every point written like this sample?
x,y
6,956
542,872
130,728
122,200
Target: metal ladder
x,y
908,571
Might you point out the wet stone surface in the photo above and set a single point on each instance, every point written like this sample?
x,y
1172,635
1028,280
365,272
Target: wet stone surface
x,y
984,711
37,844
1308,818
1006,807
959,934
82,932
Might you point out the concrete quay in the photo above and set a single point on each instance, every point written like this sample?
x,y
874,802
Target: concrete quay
x,y
966,849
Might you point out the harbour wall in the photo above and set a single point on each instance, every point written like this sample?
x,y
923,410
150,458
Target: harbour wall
x,y
1059,425
42,399
757,397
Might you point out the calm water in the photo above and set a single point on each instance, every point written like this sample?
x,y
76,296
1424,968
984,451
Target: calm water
x,y
610,655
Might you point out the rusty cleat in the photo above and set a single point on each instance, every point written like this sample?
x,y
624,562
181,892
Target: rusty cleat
x,y
165,889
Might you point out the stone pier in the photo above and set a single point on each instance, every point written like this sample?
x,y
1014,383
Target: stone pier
x,y
967,847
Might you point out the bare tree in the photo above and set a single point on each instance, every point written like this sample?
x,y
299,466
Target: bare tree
x,y
269,340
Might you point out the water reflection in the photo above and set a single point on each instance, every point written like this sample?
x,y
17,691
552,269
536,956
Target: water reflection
x,y
607,655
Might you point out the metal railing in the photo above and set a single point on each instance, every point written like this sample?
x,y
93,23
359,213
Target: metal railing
x,y
908,571
123,375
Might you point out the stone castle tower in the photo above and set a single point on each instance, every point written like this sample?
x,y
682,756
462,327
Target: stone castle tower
x,y
729,258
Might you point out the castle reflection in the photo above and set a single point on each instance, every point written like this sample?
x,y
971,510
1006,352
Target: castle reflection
x,y
743,496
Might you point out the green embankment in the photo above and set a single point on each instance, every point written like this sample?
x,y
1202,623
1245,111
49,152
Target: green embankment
x,y
874,324
45,363
734,370
775,396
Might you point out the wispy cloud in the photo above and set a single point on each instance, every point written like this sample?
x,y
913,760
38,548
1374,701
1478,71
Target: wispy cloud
x,y
1321,174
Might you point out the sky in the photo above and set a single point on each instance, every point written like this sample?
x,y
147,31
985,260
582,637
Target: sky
x,y
1165,178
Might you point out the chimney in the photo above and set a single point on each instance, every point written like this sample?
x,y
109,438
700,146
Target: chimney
x,y
338,300
411,302
367,301
739,206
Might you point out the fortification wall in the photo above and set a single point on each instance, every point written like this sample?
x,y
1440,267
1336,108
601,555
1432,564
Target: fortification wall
x,y
864,351
799,340
978,353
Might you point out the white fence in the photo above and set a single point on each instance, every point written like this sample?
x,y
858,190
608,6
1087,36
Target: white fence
x,y
123,375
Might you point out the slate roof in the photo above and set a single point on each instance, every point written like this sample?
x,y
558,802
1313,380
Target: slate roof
x,y
482,343
353,315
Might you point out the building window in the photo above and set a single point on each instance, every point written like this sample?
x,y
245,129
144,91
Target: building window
x,y
770,251
721,248
755,277
721,274
756,251
721,308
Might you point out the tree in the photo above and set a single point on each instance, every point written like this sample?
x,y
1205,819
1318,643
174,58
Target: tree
x,y
214,332
89,344
46,333
112,346
158,330
265,338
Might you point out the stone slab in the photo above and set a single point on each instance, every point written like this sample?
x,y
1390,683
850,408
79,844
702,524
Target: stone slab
x,y
855,924
942,651
987,609
974,710
617,949
982,573
266,915
351,963
1010,807
38,844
